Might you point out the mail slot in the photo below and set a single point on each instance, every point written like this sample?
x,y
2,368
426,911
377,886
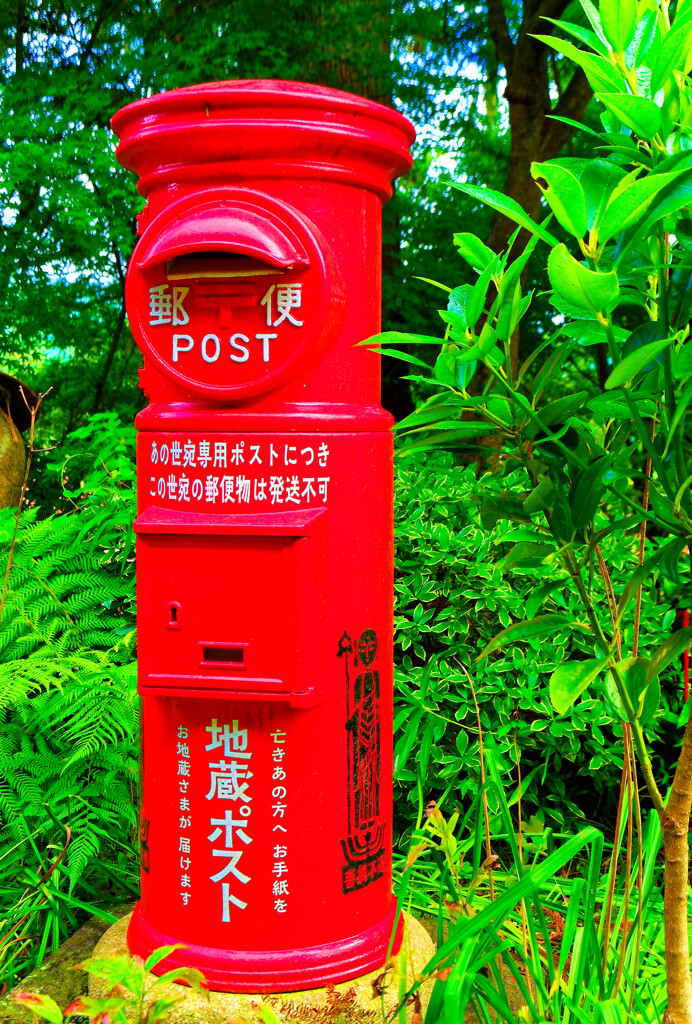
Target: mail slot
x,y
264,533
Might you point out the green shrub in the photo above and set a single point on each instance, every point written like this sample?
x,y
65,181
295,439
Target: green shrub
x,y
457,585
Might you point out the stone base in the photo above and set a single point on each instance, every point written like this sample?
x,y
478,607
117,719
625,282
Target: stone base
x,y
355,999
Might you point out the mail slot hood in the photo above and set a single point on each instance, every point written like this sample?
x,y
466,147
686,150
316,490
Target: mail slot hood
x,y
220,227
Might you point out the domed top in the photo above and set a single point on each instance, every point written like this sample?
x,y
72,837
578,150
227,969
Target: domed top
x,y
263,128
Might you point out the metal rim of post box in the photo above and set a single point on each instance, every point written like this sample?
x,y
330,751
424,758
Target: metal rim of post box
x,y
311,132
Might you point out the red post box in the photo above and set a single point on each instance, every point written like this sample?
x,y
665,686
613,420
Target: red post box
x,y
264,531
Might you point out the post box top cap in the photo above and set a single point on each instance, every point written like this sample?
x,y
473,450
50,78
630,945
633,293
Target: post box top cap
x,y
278,129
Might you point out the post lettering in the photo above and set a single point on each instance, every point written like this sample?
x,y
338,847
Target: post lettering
x,y
177,347
244,352
205,351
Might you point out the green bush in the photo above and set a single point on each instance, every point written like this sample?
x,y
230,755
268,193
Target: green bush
x,y
461,577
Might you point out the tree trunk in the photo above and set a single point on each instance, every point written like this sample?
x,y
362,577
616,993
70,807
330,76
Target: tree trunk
x,y
675,823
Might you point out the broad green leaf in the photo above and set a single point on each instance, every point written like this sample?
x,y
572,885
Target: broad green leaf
x,y
564,194
458,300
541,497
494,510
671,199
644,693
636,112
584,35
612,406
509,207
589,289
602,75
672,56
476,253
635,362
445,365
587,491
529,629
669,651
633,205
592,13
570,679
525,554
619,21
600,179
682,361
562,516
562,408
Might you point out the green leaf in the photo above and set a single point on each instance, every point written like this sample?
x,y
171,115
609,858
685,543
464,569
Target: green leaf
x,y
190,975
633,205
584,35
399,338
641,115
484,345
589,289
528,629
642,572
509,207
570,679
539,595
541,497
476,253
587,491
600,180
672,56
476,301
669,651
643,693
619,21
680,410
405,357
42,1006
526,555
564,194
635,362
562,408
160,954
602,75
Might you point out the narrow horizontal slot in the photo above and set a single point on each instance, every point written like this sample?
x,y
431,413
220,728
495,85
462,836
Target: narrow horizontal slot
x,y
232,655
218,265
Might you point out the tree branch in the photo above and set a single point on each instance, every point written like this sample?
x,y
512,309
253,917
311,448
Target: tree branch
x,y
572,104
499,34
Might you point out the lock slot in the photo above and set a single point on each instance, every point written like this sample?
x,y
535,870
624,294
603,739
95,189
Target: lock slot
x,y
215,265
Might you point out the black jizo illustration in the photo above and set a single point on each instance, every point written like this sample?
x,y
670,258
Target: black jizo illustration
x,y
364,845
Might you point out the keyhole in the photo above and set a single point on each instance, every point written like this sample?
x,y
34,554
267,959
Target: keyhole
x,y
174,615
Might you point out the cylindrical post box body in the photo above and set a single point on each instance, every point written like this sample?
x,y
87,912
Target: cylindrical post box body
x,y
264,534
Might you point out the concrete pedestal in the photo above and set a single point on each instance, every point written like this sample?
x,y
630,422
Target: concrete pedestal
x,y
356,998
